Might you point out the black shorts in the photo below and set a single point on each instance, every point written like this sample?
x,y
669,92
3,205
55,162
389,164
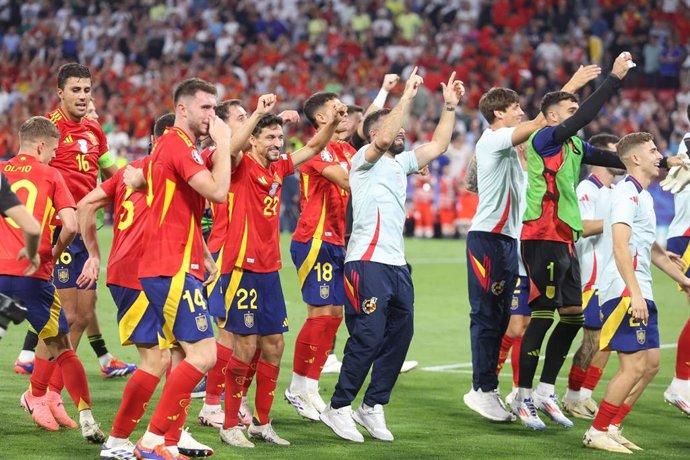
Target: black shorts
x,y
554,272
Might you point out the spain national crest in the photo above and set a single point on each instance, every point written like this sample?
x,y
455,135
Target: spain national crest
x,y
514,304
369,305
92,137
497,287
201,323
641,335
550,292
63,275
324,291
249,319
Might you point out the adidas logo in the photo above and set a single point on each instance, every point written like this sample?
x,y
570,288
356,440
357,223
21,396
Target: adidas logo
x,y
534,353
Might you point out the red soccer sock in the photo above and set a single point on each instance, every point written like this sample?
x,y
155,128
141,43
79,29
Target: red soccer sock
x,y
325,345
515,360
606,413
215,382
266,382
576,378
683,354
235,381
43,371
55,383
307,344
592,378
249,376
138,392
74,376
506,343
623,411
174,402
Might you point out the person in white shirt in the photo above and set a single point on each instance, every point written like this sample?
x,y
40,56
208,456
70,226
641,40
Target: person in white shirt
x,y
625,289
378,287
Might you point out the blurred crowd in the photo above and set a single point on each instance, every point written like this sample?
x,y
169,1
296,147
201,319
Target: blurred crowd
x,y
138,49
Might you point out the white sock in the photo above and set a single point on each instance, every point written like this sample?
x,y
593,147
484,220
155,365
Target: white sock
x,y
594,431
151,440
524,393
85,416
26,356
298,384
676,383
104,360
585,393
211,407
572,395
173,450
312,385
116,442
545,389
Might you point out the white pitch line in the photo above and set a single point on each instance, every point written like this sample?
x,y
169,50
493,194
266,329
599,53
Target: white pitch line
x,y
453,367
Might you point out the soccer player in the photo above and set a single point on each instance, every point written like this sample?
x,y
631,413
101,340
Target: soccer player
x,y
491,240
174,255
551,225
589,362
45,193
678,392
255,308
378,286
318,253
625,289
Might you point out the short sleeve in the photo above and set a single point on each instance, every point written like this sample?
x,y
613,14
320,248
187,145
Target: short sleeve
x,y
500,140
408,161
322,161
285,165
62,198
359,162
624,204
8,199
187,161
102,145
586,201
110,186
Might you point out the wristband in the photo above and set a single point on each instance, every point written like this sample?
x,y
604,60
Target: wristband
x,y
380,99
450,108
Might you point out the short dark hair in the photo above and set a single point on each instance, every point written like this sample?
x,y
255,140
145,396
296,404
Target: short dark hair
x,y
163,122
37,128
266,121
223,109
630,141
603,140
72,70
191,86
688,110
354,109
497,99
314,103
554,97
371,120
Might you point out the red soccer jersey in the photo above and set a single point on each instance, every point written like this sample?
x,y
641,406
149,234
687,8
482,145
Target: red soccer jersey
x,y
81,145
219,230
323,203
172,239
44,192
131,211
252,238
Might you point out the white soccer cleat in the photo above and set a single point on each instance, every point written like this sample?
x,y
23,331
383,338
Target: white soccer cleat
x,y
488,404
316,400
602,441
549,406
342,423
332,365
527,413
234,437
407,366
591,405
675,398
303,405
190,447
578,409
616,434
373,420
91,431
123,451
511,397
211,416
267,433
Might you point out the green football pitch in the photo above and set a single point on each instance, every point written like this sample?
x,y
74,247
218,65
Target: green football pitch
x,y
426,413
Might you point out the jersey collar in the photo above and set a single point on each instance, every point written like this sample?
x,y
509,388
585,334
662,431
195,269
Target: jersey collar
x,y
595,180
635,182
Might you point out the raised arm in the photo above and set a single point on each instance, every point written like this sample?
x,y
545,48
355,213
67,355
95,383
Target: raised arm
x,y
452,93
239,139
389,82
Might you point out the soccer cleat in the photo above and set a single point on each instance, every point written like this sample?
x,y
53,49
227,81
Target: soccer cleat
x,y
211,416
373,420
407,366
342,423
117,368
674,398
122,452
23,367
315,399
488,405
332,365
527,413
91,431
199,390
160,452
616,434
57,408
578,409
245,415
591,405
235,437
549,405
301,402
511,397
267,433
602,441
190,447
39,410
